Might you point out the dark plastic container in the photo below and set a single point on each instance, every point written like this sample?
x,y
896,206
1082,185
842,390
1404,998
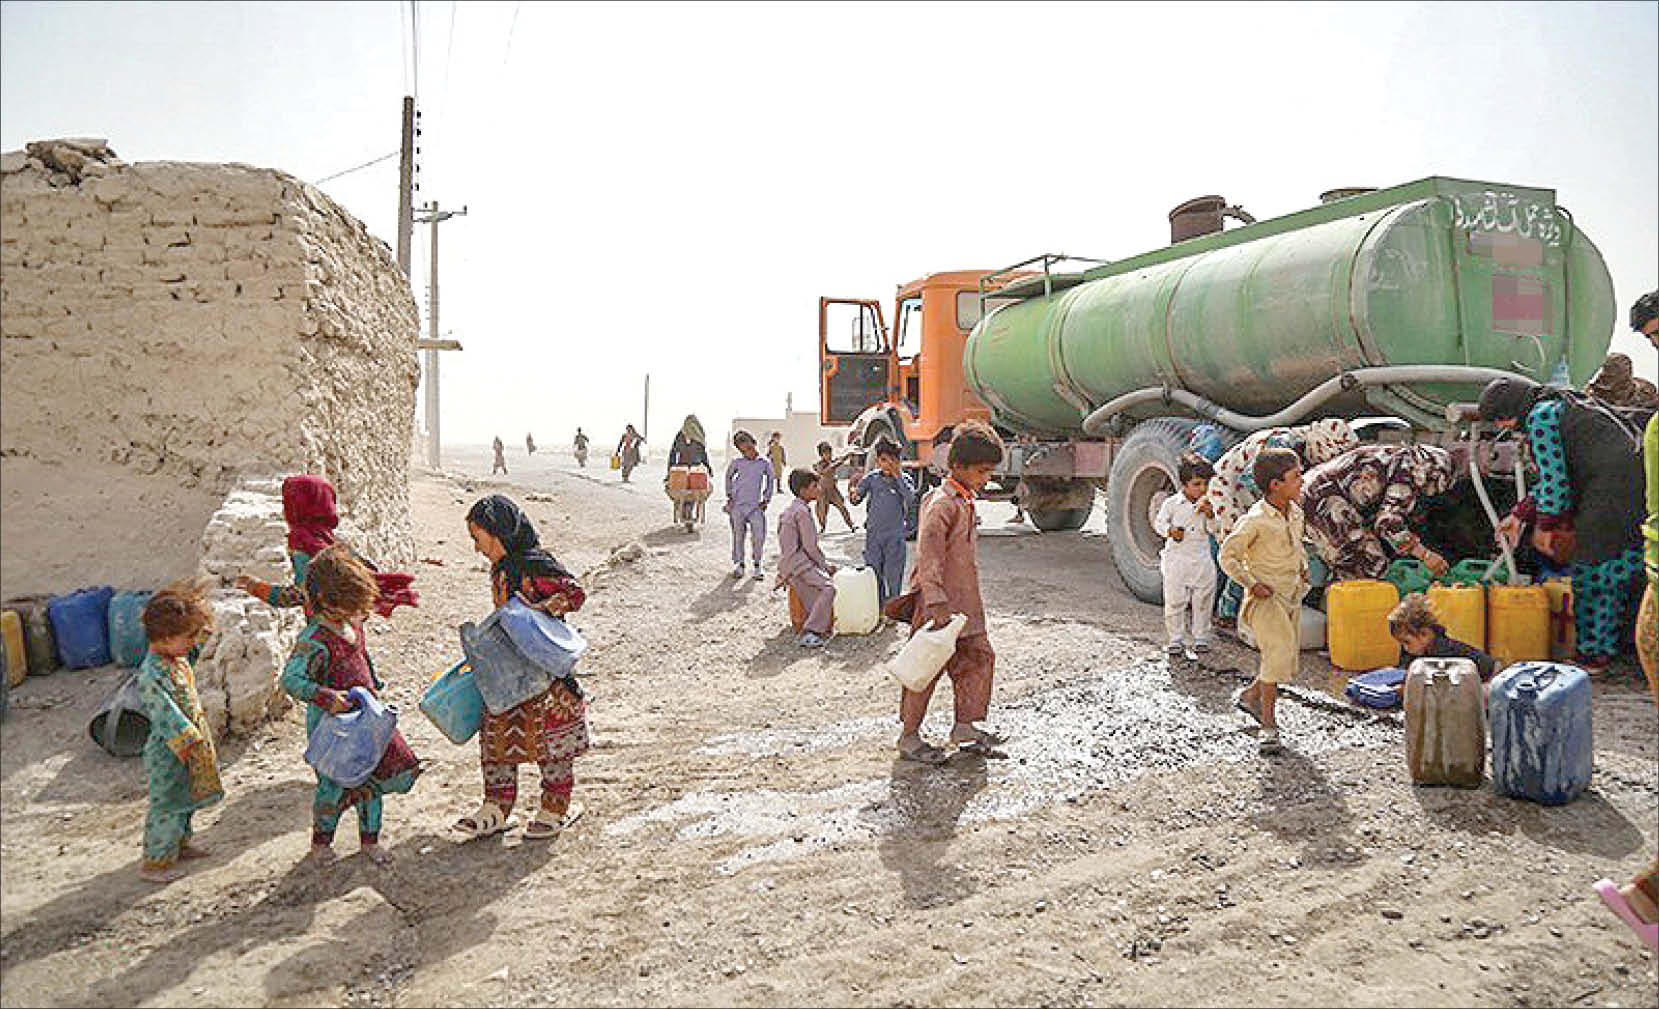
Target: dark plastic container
x,y
38,640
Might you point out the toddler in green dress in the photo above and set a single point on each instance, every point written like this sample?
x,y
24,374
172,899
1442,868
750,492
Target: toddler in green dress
x,y
178,755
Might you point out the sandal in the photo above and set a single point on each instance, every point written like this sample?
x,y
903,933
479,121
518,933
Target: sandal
x,y
487,822
1647,931
543,830
1253,710
923,752
982,739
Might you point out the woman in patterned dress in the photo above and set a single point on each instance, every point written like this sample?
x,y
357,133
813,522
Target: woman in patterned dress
x,y
1359,507
551,729
1586,504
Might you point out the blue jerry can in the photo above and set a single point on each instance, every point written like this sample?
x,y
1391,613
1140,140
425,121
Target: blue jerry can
x,y
1542,748
127,640
454,704
346,748
80,623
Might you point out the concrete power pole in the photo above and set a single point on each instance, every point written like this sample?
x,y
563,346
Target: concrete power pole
x,y
432,345
406,186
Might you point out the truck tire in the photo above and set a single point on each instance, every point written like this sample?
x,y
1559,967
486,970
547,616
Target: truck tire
x,y
1057,505
1142,475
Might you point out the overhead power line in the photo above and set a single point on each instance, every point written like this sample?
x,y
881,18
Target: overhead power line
x,y
510,29
366,164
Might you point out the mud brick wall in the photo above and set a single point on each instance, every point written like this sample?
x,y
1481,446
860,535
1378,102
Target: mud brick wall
x,y
168,329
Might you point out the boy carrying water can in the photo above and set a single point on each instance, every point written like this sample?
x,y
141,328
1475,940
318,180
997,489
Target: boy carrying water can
x,y
1264,554
946,581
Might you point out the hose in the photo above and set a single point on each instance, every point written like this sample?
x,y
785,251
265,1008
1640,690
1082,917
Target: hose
x,y
1095,423
1486,503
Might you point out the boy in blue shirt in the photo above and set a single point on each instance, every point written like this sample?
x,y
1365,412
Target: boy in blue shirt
x,y
890,498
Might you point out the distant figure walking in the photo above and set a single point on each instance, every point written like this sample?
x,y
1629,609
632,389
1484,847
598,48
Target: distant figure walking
x,y
581,446
777,456
627,452
529,443
500,457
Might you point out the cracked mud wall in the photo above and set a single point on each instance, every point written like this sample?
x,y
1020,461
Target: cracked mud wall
x,y
169,328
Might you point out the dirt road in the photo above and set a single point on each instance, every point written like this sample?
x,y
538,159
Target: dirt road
x,y
750,839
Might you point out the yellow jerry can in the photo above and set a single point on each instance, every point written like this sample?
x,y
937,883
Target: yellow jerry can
x,y
1356,624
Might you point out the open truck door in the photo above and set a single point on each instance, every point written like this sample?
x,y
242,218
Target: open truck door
x,y
857,365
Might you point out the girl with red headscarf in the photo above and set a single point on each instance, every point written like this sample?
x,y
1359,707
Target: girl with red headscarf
x,y
308,506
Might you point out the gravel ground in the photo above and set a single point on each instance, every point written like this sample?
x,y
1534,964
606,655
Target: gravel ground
x,y
750,839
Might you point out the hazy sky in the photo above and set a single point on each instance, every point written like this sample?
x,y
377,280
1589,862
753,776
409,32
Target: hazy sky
x,y
670,187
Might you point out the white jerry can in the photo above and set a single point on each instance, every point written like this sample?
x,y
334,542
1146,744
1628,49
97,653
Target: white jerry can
x,y
857,601
927,651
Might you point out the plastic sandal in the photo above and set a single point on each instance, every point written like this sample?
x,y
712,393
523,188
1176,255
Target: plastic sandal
x,y
487,822
1647,931
543,830
1240,703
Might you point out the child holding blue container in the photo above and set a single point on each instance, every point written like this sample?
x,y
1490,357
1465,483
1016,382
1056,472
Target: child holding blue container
x,y
549,730
328,661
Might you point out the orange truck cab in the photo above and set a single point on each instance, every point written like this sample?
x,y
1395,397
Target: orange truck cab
x,y
905,383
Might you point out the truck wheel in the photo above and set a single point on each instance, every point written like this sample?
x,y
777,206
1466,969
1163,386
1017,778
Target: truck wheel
x,y
1142,475
1057,505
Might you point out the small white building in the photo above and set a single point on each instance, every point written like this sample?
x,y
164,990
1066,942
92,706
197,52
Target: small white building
x,y
801,434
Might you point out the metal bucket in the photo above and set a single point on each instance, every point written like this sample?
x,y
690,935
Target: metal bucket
x,y
120,725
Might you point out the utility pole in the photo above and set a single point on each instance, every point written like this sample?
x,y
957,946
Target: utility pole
x,y
434,217
406,186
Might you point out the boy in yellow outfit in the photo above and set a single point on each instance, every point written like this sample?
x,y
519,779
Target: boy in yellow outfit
x,y
1264,554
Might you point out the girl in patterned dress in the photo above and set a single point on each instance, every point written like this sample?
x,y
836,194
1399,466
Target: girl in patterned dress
x,y
328,660
178,755
1586,504
549,730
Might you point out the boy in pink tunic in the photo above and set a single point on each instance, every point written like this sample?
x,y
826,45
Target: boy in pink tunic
x,y
801,564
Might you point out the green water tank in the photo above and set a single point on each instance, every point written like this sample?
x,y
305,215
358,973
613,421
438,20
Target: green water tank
x,y
1435,272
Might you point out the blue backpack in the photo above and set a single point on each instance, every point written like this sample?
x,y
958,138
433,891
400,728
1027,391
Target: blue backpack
x,y
1377,689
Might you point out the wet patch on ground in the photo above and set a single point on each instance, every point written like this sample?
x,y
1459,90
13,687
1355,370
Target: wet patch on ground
x,y
1067,743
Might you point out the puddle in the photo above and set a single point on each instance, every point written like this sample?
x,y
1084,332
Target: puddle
x,y
1067,743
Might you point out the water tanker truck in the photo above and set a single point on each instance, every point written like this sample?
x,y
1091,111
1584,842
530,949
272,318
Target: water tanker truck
x,y
1398,303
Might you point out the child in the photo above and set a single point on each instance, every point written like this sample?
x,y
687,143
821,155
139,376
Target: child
x,y
776,455
828,492
178,755
551,729
801,564
946,580
1186,521
1417,627
329,659
308,506
1264,554
890,498
750,483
